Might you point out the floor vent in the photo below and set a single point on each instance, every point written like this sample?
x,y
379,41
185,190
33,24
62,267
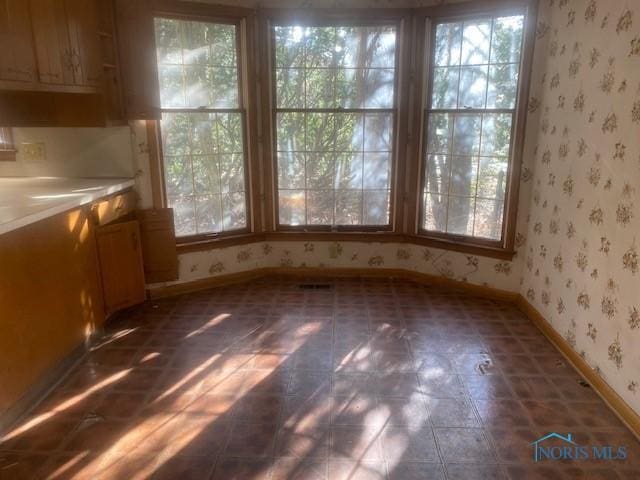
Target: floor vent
x,y
316,286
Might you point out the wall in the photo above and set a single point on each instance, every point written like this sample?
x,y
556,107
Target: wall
x,y
74,152
582,269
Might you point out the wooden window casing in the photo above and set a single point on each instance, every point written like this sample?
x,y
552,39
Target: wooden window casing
x,y
415,30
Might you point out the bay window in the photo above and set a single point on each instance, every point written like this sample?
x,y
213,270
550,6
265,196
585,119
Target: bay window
x,y
335,98
202,125
470,117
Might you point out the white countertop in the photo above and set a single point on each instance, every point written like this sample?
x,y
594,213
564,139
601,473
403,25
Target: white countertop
x,y
25,200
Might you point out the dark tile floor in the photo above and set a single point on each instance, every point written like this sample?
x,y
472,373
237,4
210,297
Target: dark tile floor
x,y
367,379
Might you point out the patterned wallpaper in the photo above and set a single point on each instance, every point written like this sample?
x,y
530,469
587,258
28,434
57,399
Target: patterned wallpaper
x,y
451,265
582,269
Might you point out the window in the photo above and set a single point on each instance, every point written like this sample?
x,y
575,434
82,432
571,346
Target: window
x,y
202,125
335,115
7,149
470,114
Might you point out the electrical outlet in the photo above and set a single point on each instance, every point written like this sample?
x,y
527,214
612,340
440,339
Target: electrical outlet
x,y
34,152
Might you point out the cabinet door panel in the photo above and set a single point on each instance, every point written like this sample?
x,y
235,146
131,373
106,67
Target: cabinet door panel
x,y
17,58
84,41
121,268
51,36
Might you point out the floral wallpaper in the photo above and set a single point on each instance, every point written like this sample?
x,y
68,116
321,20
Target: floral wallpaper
x,y
452,265
582,269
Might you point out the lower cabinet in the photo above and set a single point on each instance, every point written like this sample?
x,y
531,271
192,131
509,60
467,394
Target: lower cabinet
x,y
121,267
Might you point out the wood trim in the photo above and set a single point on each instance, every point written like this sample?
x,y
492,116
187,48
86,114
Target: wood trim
x,y
378,237
196,10
512,192
318,272
424,46
621,408
156,168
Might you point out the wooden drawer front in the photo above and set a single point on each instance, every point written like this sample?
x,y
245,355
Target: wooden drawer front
x,y
115,207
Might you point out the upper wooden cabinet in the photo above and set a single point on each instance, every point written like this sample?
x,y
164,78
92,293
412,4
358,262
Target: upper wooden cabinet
x,y
59,58
17,59
66,41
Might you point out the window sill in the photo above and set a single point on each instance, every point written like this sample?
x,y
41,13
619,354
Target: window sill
x,y
462,246
378,237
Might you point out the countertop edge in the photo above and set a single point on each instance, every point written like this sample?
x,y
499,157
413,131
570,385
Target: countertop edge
x,y
90,197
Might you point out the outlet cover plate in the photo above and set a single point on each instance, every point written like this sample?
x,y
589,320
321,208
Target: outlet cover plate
x,y
34,152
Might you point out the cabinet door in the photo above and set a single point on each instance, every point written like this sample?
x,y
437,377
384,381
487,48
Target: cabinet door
x,y
121,268
158,237
82,20
17,58
51,37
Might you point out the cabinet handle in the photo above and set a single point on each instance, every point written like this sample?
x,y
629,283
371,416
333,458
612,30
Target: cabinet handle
x,y
134,241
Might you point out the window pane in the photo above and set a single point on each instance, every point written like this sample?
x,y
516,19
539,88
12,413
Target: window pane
x,y
171,85
350,88
349,170
464,174
184,214
381,47
376,207
326,160
320,207
377,168
196,49
503,86
378,88
496,134
320,171
377,132
289,46
234,214
319,85
290,85
507,39
206,174
320,45
475,42
291,170
209,213
320,134
440,130
292,207
435,212
349,132
224,87
460,215
492,177
179,175
290,131
169,49
349,207
448,43
438,172
476,66
203,151
466,134
473,87
488,221
196,64
445,87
